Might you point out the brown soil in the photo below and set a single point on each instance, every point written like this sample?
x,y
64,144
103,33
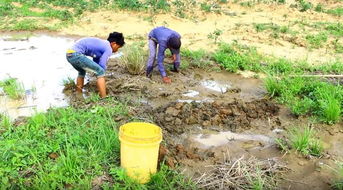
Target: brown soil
x,y
191,124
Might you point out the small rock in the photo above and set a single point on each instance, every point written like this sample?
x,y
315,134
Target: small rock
x,y
172,111
301,163
178,105
206,123
53,155
178,121
168,119
170,163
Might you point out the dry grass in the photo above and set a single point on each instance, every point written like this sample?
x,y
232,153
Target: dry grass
x,y
134,59
241,174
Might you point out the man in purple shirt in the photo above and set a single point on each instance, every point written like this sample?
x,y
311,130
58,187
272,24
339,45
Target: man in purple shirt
x,y
165,38
100,50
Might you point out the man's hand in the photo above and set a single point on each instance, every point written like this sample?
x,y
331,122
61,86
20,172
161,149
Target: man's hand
x,y
166,80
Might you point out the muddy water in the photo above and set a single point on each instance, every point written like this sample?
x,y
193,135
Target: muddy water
x,y
39,63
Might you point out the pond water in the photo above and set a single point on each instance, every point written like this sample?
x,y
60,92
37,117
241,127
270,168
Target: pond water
x,y
39,63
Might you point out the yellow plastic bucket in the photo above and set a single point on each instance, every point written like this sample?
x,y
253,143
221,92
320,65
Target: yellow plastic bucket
x,y
139,145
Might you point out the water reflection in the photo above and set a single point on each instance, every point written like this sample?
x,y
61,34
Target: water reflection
x,y
39,63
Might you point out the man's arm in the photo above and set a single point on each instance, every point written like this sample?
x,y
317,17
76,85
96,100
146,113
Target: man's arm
x,y
104,58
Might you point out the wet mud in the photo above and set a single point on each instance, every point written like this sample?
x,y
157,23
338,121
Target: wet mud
x,y
208,117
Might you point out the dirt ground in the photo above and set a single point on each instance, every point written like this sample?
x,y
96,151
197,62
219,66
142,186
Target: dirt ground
x,y
235,22
205,122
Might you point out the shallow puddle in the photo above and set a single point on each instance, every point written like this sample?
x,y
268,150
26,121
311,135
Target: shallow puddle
x,y
215,86
39,63
227,137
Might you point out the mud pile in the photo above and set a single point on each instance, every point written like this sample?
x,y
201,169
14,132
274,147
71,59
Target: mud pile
x,y
175,116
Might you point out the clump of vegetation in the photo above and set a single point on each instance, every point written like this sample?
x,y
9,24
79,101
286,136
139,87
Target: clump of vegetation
x,y
317,40
234,57
305,96
133,59
338,184
303,140
13,88
215,35
337,11
242,173
198,58
68,147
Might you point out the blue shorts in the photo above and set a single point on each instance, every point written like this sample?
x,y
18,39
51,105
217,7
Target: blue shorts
x,y
82,64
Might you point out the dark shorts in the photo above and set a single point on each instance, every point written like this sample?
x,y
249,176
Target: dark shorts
x,y
82,64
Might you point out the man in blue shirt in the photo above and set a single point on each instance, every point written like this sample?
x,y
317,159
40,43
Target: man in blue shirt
x,y
165,38
100,50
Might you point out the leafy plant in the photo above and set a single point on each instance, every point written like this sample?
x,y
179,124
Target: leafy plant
x,y
317,40
215,35
305,141
13,88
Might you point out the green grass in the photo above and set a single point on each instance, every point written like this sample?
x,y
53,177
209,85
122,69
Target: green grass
x,y
304,140
316,40
12,88
68,147
307,96
338,184
234,57
198,58
133,59
337,11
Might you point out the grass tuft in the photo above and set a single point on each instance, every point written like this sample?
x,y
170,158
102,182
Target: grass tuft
x,y
13,88
305,141
133,59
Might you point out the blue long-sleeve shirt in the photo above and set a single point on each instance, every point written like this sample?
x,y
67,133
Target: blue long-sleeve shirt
x,y
100,50
162,35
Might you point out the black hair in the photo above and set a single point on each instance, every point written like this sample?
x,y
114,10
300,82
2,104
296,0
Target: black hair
x,y
174,42
116,37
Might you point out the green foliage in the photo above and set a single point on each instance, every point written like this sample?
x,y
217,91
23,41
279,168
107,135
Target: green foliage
x,y
198,58
319,8
305,141
133,59
165,178
335,29
338,184
234,57
12,88
304,5
337,12
305,96
337,46
215,35
316,40
68,82
301,106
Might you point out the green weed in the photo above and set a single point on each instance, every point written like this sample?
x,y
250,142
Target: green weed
x,y
198,58
319,8
234,57
305,5
338,184
337,11
335,29
13,88
215,35
337,46
133,59
305,141
68,81
316,40
68,147
301,106
5,123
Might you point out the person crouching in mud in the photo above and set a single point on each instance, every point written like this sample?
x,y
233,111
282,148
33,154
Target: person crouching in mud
x,y
164,38
100,50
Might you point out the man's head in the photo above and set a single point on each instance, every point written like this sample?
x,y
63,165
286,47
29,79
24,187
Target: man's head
x,y
116,40
174,43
